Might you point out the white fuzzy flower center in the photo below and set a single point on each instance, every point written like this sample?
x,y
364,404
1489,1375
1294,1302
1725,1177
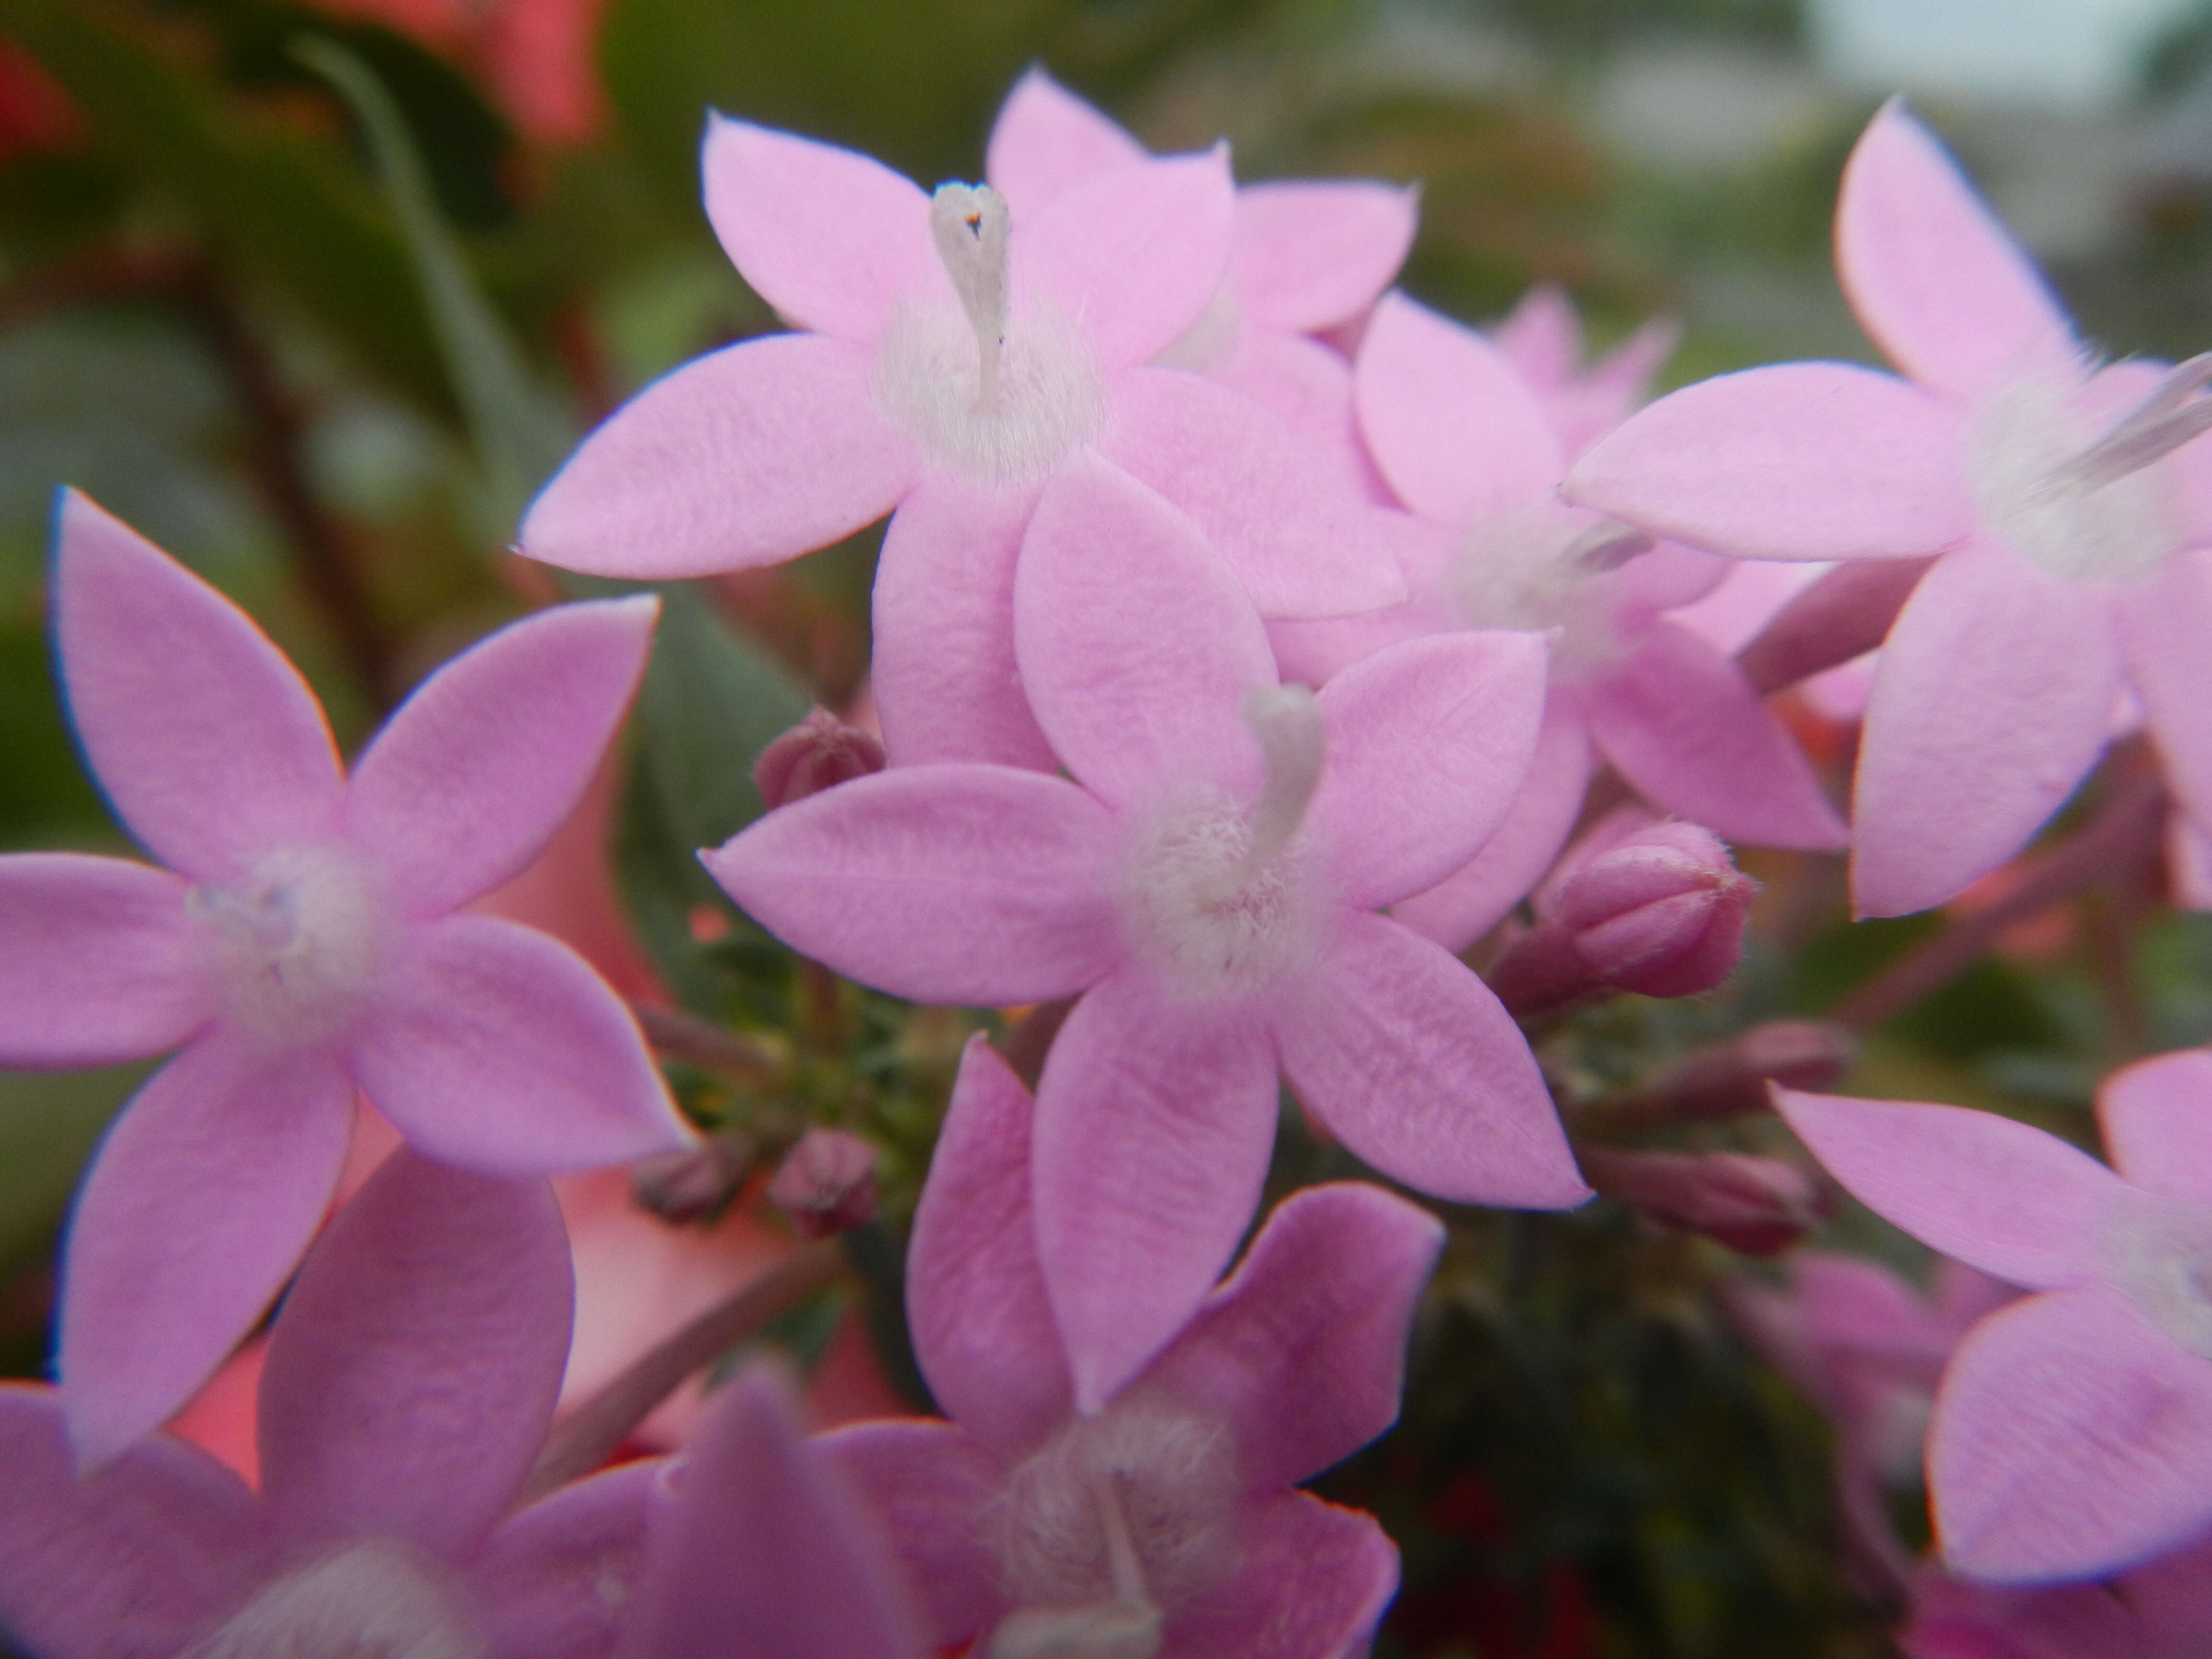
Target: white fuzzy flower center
x,y
1535,569
297,944
376,1600
2158,1254
1224,901
997,397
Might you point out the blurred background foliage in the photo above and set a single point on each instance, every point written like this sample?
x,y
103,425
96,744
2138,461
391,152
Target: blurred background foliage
x,y
318,330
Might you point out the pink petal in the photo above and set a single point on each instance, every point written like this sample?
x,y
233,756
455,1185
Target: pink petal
x,y
98,961
1133,254
131,1563
1454,429
1428,741
1797,461
2157,1119
749,456
468,781
1601,397
1047,139
1932,274
1463,907
554,1581
942,670
1997,1195
2070,1439
1686,728
2163,625
431,1285
833,239
975,1296
765,1537
1994,698
1153,1126
1136,640
206,738
1311,1579
1312,253
195,1212
1302,1354
1408,1057
972,885
932,1487
1671,574
1309,386
1303,542
496,1047
1542,337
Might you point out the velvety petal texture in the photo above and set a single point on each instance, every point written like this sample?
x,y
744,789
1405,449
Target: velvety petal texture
x,y
1046,139
1312,253
554,1581
2157,1115
100,962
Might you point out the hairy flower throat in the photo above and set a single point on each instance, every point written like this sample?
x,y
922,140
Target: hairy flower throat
x,y
296,943
376,1600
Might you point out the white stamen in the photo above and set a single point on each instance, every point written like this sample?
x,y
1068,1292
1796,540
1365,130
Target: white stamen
x,y
297,944
970,225
1605,545
376,1601
1539,568
2157,427
1286,719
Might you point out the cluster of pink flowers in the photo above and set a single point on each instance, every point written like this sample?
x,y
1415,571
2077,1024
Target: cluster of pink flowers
x,y
1248,642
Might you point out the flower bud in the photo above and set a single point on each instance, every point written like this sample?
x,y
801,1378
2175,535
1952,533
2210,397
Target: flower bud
x,y
826,1183
818,753
1759,1205
696,1182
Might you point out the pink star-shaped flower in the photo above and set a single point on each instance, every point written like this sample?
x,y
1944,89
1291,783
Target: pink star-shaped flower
x,y
302,943
1164,1521
412,1376
1208,877
2072,1434
2074,537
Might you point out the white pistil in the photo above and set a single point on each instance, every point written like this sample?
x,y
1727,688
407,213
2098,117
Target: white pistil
x,y
296,944
970,225
1286,719
376,1600
1539,568
2155,427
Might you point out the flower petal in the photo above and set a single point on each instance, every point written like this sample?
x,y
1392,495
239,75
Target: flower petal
x,y
1797,461
752,455
468,781
197,1206
833,239
98,961
1996,1193
496,1047
1311,1579
431,1284
942,670
2070,1439
2163,625
1684,726
1137,643
1047,139
206,738
975,1296
1133,254
1302,1354
1153,1126
932,1487
971,885
1408,1057
1428,742
2157,1119
1994,698
1932,274
553,1581
131,1563
1454,428
1314,253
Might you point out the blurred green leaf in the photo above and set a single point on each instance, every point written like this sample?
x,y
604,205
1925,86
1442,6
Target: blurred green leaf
x,y
49,1124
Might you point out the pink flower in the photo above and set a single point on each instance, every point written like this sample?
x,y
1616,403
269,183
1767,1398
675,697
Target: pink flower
x,y
2072,535
2072,1434
957,355
1164,1521
409,1380
2162,1611
302,944
1542,338
1208,877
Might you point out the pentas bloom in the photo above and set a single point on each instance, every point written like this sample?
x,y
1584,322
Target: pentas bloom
x,y
2163,1611
1164,1521
2072,521
1469,448
301,944
2072,1434
410,1381
956,352
1542,338
1207,876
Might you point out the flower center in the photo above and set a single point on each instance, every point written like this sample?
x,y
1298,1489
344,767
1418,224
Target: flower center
x,y
2085,499
2158,1254
296,944
998,398
1222,900
376,1600
1534,567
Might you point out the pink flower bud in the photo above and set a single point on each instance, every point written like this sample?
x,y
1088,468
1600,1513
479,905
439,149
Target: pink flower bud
x,y
1661,912
1759,1205
818,753
696,1182
826,1183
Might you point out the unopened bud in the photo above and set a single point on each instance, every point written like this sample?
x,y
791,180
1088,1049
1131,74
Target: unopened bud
x,y
826,1183
1759,1205
818,753
696,1182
